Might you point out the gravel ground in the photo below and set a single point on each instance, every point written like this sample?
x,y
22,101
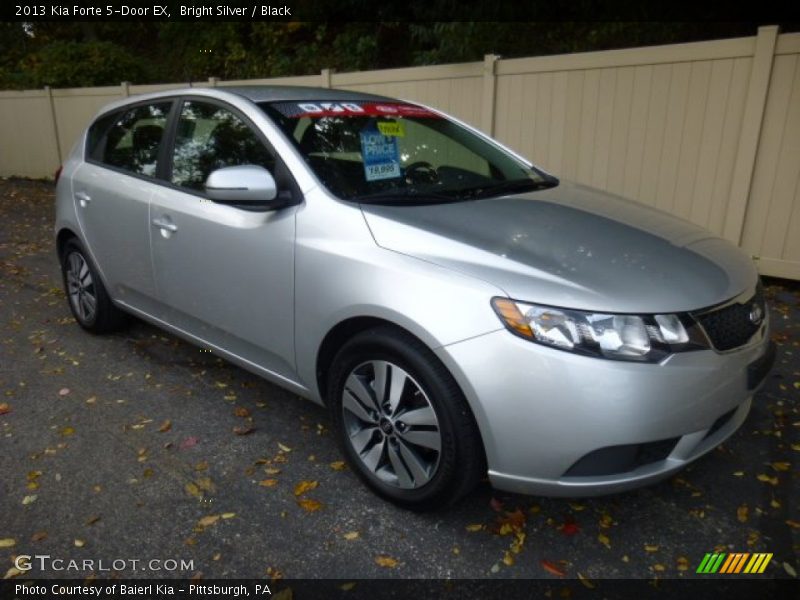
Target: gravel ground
x,y
124,447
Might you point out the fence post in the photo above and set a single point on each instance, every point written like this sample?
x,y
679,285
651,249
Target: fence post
x,y
751,132
489,93
125,86
325,76
53,120
213,81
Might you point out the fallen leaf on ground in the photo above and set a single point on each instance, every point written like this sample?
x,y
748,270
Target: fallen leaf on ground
x,y
228,515
309,505
12,572
63,391
338,465
742,513
193,490
586,582
207,521
39,536
551,567
570,527
789,569
165,426
284,448
244,430
29,499
793,524
346,587
603,539
5,408
474,527
650,548
386,561
268,482
351,535
189,442
67,431
241,411
508,559
305,486
767,479
79,543
7,542
92,520
781,466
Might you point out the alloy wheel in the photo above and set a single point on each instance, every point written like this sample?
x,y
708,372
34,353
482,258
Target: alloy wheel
x,y
391,425
80,287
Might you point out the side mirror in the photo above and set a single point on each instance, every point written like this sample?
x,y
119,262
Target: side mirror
x,y
244,184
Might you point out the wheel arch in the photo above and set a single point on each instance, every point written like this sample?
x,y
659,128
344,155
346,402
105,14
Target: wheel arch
x,y
336,337
64,235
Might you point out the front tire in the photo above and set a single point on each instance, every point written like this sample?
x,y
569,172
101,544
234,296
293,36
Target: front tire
x,y
403,423
86,295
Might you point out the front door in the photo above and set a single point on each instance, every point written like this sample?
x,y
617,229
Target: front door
x,y
224,274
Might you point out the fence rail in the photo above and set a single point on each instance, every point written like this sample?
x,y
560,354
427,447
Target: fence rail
x,y
709,131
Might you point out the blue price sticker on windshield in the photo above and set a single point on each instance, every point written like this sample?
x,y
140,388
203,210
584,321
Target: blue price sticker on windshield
x,y
381,155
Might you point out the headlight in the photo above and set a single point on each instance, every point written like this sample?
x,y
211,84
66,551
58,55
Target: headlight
x,y
622,337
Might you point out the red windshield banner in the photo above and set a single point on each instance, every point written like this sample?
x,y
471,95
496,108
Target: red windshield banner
x,y
297,110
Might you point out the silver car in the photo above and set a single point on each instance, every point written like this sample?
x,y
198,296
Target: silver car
x,y
459,310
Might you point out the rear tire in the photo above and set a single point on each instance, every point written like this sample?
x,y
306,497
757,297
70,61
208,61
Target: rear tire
x,y
86,295
402,421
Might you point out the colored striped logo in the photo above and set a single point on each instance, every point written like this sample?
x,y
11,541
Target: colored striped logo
x,y
735,562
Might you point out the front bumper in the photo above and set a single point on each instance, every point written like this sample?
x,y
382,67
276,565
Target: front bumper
x,y
559,424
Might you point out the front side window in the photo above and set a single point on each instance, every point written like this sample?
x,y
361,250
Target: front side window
x,y
132,139
398,152
210,137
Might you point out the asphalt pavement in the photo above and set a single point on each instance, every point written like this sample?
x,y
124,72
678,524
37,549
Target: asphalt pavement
x,y
139,447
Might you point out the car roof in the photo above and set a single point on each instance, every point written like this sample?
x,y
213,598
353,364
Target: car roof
x,y
273,93
253,93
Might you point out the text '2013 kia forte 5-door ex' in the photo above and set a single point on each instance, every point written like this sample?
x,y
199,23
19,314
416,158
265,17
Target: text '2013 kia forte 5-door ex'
x,y
459,310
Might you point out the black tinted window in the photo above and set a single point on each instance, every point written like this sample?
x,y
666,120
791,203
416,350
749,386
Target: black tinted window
x,y
210,137
133,140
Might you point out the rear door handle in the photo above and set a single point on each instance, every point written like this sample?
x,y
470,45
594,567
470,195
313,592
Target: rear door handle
x,y
83,198
165,225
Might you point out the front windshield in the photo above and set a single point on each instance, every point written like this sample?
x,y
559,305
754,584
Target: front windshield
x,y
398,152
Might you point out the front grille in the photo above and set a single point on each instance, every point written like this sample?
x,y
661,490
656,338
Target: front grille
x,y
732,326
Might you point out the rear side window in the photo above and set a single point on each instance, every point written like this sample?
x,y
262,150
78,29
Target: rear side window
x,y
130,140
210,137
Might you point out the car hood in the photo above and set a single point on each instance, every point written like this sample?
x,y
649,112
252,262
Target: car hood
x,y
571,246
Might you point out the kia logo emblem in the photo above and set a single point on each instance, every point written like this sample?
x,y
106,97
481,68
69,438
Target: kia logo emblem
x,y
756,314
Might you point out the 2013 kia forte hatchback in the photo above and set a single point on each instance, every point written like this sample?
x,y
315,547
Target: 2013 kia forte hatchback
x,y
458,309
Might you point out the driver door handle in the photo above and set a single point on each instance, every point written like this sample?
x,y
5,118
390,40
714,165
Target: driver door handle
x,y
165,225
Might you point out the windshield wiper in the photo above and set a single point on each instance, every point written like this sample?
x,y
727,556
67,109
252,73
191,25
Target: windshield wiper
x,y
408,196
510,186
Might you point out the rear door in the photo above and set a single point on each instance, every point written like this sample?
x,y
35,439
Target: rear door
x,y
224,274
112,190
